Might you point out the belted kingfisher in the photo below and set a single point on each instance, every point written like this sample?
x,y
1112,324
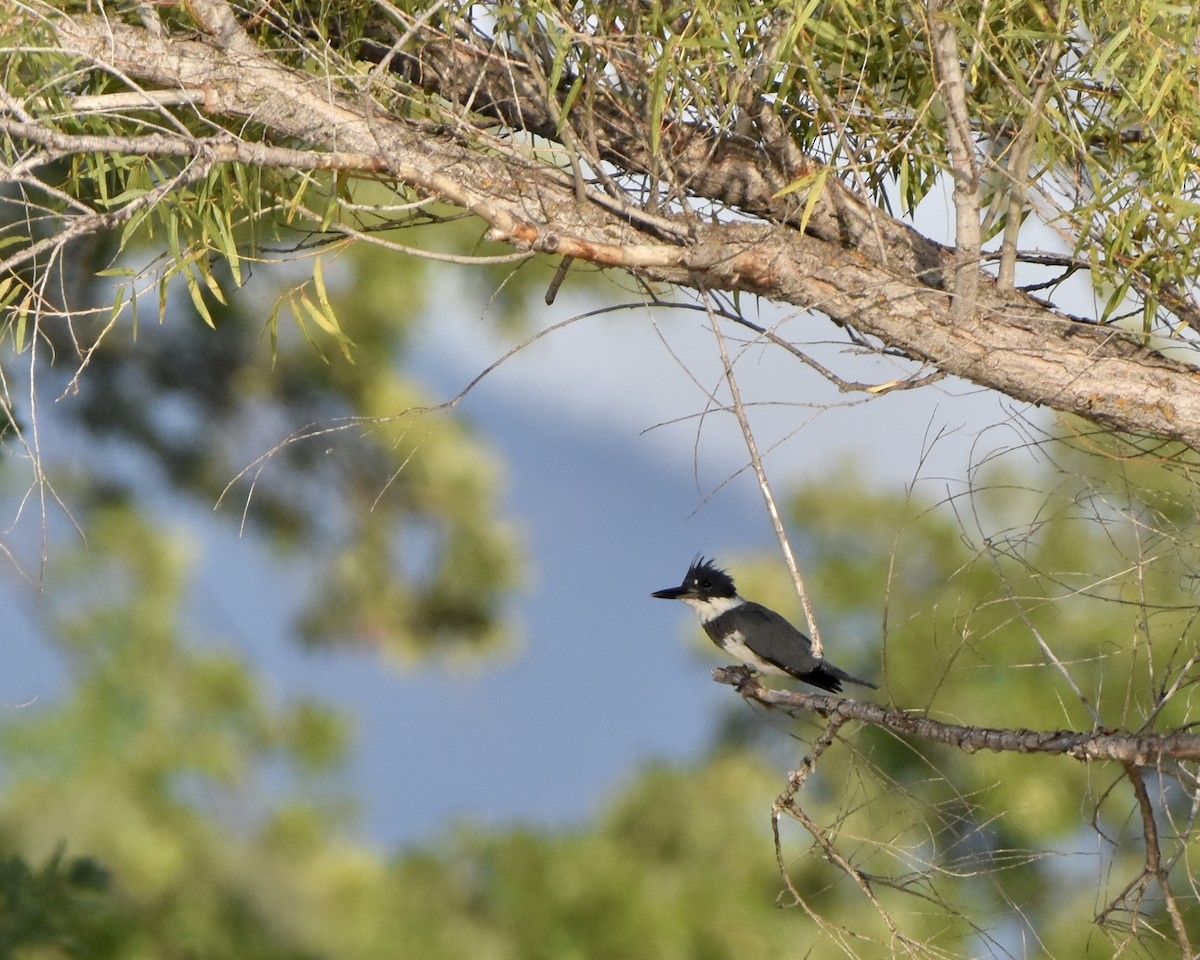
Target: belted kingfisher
x,y
760,638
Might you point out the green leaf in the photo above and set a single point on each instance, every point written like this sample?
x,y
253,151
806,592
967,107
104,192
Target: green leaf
x,y
327,323
810,178
813,196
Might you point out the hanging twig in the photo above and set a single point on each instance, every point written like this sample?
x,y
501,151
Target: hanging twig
x,y
1046,649
786,803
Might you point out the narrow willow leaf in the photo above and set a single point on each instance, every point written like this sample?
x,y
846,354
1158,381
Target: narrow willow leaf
x,y
228,245
197,294
813,196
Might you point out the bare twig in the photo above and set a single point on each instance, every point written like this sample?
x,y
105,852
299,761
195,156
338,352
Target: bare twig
x,y
835,857
786,803
1046,649
1140,749
763,485
1154,865
844,386
795,781
253,470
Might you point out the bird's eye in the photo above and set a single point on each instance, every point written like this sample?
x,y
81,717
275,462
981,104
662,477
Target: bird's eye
x,y
705,584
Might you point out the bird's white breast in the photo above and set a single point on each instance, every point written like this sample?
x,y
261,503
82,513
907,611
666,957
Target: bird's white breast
x,y
713,607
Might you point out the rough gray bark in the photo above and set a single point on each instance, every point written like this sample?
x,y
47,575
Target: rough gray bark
x,y
853,263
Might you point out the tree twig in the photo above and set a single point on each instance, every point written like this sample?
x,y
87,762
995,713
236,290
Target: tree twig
x,y
1018,166
763,485
785,801
1140,749
1046,649
1154,865
952,89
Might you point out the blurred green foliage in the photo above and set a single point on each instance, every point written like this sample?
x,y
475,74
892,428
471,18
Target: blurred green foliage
x,y
60,909
146,775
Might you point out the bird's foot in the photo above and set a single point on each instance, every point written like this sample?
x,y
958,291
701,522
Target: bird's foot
x,y
744,676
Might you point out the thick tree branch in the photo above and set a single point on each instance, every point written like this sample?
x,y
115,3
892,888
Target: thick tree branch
x,y
722,169
1140,750
1009,343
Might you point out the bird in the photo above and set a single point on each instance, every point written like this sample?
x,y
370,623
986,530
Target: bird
x,y
759,637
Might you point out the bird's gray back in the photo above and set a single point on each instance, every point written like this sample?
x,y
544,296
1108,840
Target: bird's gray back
x,y
771,636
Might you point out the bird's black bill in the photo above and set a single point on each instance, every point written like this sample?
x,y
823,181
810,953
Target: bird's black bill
x,y
671,593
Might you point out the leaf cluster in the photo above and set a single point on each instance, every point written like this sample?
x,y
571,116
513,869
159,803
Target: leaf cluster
x,y
1083,113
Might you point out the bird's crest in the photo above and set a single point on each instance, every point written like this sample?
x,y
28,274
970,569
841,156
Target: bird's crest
x,y
705,575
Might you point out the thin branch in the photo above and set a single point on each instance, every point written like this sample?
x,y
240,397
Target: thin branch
x,y
763,485
1017,168
253,470
1142,749
1154,866
795,781
844,386
1046,649
82,225
786,803
223,148
944,47
835,857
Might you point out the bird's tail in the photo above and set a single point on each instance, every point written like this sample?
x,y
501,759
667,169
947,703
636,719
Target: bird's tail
x,y
828,677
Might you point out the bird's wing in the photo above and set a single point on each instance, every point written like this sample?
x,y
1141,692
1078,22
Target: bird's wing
x,y
777,641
